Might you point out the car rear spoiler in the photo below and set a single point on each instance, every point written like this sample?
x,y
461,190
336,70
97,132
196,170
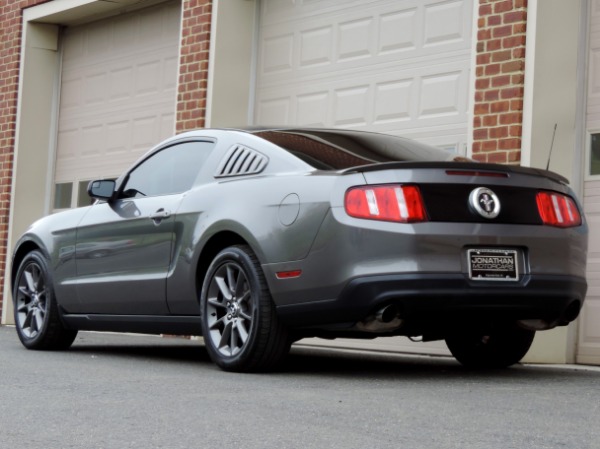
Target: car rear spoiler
x,y
472,166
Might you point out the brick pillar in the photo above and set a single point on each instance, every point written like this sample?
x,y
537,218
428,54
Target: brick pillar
x,y
10,55
499,85
193,64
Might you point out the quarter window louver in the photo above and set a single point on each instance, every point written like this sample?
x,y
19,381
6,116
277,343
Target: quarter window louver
x,y
241,160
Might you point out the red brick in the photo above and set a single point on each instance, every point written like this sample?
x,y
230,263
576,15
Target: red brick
x,y
499,157
519,28
484,34
491,95
515,16
499,81
516,105
512,92
500,106
511,118
482,108
492,44
485,10
513,66
501,56
499,132
502,31
490,120
515,131
482,83
483,58
514,156
494,20
518,79
510,144
492,69
489,145
519,53
480,134
503,6
513,41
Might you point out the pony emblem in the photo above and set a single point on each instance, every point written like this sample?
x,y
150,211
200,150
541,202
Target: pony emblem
x,y
485,202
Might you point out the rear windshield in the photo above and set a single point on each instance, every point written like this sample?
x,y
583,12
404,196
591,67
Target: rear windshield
x,y
341,149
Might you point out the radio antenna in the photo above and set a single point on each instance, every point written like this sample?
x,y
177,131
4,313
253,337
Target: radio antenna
x,y
551,146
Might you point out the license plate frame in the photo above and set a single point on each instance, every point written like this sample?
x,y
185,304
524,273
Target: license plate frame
x,y
493,264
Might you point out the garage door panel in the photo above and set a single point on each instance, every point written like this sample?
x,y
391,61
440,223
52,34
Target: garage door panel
x,y
412,101
387,32
118,91
440,95
444,23
397,32
589,343
589,323
400,67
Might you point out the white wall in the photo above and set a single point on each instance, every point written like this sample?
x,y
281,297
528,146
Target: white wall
x,y
553,96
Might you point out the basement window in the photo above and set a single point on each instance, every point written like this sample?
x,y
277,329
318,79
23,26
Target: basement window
x,y
595,154
63,192
83,199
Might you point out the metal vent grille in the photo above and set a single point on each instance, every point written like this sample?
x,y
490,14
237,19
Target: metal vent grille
x,y
241,160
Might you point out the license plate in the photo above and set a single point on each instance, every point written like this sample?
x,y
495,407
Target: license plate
x,y
493,264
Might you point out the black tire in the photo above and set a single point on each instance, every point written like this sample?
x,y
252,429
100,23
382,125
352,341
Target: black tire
x,y
36,313
240,326
499,347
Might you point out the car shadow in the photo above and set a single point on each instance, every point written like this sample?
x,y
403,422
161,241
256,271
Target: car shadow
x,y
330,362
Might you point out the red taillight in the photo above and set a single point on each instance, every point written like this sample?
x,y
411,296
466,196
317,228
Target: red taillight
x,y
393,202
558,210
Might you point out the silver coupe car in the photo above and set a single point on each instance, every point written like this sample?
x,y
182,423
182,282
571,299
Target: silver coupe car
x,y
257,238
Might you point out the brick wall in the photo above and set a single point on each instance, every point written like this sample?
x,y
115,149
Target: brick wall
x,y
500,74
193,69
10,43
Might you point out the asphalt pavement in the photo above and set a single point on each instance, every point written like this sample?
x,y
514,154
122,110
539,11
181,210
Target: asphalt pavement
x,y
130,391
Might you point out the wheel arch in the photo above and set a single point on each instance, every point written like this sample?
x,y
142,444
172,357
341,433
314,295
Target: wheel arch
x,y
215,244
24,248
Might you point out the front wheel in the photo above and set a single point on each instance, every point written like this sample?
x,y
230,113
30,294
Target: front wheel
x,y
498,347
36,311
239,323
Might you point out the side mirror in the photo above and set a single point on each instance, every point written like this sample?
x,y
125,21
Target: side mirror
x,y
103,189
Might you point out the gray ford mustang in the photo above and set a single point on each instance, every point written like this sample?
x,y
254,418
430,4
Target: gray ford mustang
x,y
257,238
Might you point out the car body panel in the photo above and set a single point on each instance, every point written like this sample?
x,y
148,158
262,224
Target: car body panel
x,y
123,255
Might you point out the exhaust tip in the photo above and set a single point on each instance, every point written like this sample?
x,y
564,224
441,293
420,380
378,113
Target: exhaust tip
x,y
387,313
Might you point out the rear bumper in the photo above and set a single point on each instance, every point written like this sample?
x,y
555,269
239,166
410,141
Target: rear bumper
x,y
436,297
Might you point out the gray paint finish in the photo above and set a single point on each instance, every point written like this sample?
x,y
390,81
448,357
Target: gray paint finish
x,y
145,257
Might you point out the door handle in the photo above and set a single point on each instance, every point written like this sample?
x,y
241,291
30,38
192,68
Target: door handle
x,y
160,215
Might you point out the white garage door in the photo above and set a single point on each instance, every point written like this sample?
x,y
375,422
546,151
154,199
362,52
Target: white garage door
x,y
397,66
589,327
117,96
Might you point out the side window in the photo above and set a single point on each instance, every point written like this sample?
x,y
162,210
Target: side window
x,y
172,170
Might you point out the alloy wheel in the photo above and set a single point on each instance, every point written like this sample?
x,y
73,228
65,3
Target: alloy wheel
x,y
229,309
31,301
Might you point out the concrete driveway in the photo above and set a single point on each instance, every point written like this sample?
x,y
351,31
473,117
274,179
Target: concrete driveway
x,y
127,391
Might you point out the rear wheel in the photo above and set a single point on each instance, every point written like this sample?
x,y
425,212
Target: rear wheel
x,y
36,311
240,326
498,347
